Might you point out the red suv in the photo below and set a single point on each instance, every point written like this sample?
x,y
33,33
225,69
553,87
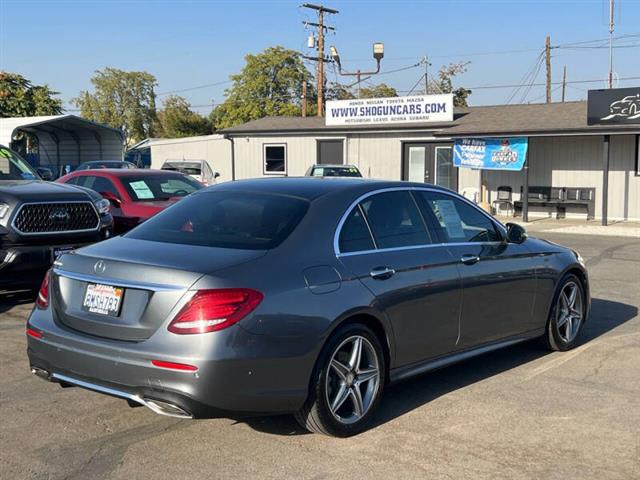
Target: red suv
x,y
135,195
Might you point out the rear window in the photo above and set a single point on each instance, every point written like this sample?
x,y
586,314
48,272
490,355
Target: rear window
x,y
149,188
182,167
239,220
336,172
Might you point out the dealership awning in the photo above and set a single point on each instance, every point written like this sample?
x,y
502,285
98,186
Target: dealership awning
x,y
65,139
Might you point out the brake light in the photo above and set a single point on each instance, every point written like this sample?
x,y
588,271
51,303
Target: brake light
x,y
43,294
213,310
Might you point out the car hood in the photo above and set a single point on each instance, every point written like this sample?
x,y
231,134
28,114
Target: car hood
x,y
14,191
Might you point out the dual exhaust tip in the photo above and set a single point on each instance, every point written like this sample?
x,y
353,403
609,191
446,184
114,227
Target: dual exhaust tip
x,y
157,406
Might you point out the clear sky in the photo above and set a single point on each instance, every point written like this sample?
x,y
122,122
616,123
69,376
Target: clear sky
x,y
191,43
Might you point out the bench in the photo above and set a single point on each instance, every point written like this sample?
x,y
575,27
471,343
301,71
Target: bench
x,y
560,198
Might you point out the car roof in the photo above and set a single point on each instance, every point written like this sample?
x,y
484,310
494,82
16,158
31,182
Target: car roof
x,y
127,172
333,165
310,188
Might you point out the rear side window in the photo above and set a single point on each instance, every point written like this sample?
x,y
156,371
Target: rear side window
x,y
395,220
457,221
239,220
98,184
355,236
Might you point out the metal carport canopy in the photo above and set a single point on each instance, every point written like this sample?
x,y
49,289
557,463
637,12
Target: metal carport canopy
x,y
66,139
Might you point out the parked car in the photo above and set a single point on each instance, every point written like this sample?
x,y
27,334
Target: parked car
x,y
135,195
95,164
198,169
295,295
320,170
41,220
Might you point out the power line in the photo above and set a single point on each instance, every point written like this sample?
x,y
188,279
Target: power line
x,y
188,89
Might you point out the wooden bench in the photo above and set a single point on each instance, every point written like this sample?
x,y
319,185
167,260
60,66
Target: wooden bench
x,y
559,198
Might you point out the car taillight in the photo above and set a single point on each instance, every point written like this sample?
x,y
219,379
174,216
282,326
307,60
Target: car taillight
x,y
43,294
213,310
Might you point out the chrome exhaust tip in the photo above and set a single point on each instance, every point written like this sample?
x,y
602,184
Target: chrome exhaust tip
x,y
165,408
41,373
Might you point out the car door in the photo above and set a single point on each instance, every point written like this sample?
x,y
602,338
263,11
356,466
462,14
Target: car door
x,y
385,243
498,278
102,185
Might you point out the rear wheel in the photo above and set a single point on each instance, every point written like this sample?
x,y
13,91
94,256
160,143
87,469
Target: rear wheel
x,y
347,383
567,315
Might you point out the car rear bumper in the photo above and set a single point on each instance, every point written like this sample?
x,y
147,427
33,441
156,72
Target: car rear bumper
x,y
251,380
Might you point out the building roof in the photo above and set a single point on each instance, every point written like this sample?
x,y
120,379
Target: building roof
x,y
525,119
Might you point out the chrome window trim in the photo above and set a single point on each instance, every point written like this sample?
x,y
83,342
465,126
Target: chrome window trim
x,y
82,277
85,230
356,202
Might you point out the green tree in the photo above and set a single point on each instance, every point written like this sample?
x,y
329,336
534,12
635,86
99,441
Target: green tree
x,y
177,119
270,84
337,91
378,91
444,83
20,98
123,100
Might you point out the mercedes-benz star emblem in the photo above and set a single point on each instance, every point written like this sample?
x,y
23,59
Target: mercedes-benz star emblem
x,y
100,266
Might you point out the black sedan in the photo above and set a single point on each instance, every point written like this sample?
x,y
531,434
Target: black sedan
x,y
302,296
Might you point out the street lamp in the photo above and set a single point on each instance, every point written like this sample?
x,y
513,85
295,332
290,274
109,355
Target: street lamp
x,y
378,54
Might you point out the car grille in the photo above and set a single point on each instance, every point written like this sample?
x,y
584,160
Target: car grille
x,y
41,218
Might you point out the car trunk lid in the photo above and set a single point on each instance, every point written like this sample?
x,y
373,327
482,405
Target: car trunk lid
x,y
154,277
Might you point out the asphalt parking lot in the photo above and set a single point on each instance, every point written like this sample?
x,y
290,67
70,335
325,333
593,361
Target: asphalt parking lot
x,y
517,413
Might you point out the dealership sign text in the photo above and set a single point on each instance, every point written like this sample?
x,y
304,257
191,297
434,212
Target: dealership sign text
x,y
419,108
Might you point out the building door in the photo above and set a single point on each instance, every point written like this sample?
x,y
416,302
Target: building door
x,y
429,163
330,152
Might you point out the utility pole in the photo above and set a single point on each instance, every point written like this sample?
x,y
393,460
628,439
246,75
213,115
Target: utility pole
x,y
320,57
304,98
611,28
426,74
564,81
547,51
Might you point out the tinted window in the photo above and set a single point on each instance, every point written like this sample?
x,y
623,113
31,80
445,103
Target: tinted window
x,y
13,167
239,220
275,159
457,221
98,184
336,172
148,188
395,220
355,236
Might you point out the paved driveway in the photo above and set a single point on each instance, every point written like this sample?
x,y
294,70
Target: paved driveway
x,y
517,413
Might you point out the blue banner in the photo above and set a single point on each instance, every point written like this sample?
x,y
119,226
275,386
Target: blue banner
x,y
490,153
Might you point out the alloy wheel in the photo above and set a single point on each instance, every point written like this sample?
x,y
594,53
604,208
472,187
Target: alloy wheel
x,y
569,312
352,380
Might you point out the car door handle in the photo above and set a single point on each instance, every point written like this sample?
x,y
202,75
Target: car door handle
x,y
469,259
381,273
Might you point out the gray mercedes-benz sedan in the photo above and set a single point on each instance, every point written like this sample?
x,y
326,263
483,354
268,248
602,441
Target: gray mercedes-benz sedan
x,y
298,295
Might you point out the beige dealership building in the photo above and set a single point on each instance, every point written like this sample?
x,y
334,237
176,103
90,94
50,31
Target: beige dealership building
x,y
593,169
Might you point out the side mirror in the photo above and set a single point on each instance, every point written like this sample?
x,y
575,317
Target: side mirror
x,y
216,174
516,233
113,200
45,174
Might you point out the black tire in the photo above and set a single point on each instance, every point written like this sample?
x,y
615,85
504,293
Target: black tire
x,y
555,337
316,415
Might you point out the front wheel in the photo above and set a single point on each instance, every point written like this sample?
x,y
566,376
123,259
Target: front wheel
x,y
347,383
567,315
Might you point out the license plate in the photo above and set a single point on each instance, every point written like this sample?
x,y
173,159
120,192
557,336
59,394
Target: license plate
x,y
103,299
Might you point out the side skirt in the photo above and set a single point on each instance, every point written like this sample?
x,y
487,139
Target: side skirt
x,y
407,371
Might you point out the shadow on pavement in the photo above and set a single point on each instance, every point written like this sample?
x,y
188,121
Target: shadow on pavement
x,y
10,299
406,396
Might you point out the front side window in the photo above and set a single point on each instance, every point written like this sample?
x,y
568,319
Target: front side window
x,y
98,184
455,220
239,220
395,220
275,160
355,235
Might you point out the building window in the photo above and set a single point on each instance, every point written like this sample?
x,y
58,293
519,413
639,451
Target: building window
x,y
275,159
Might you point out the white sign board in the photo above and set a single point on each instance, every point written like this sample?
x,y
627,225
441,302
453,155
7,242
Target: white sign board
x,y
373,111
